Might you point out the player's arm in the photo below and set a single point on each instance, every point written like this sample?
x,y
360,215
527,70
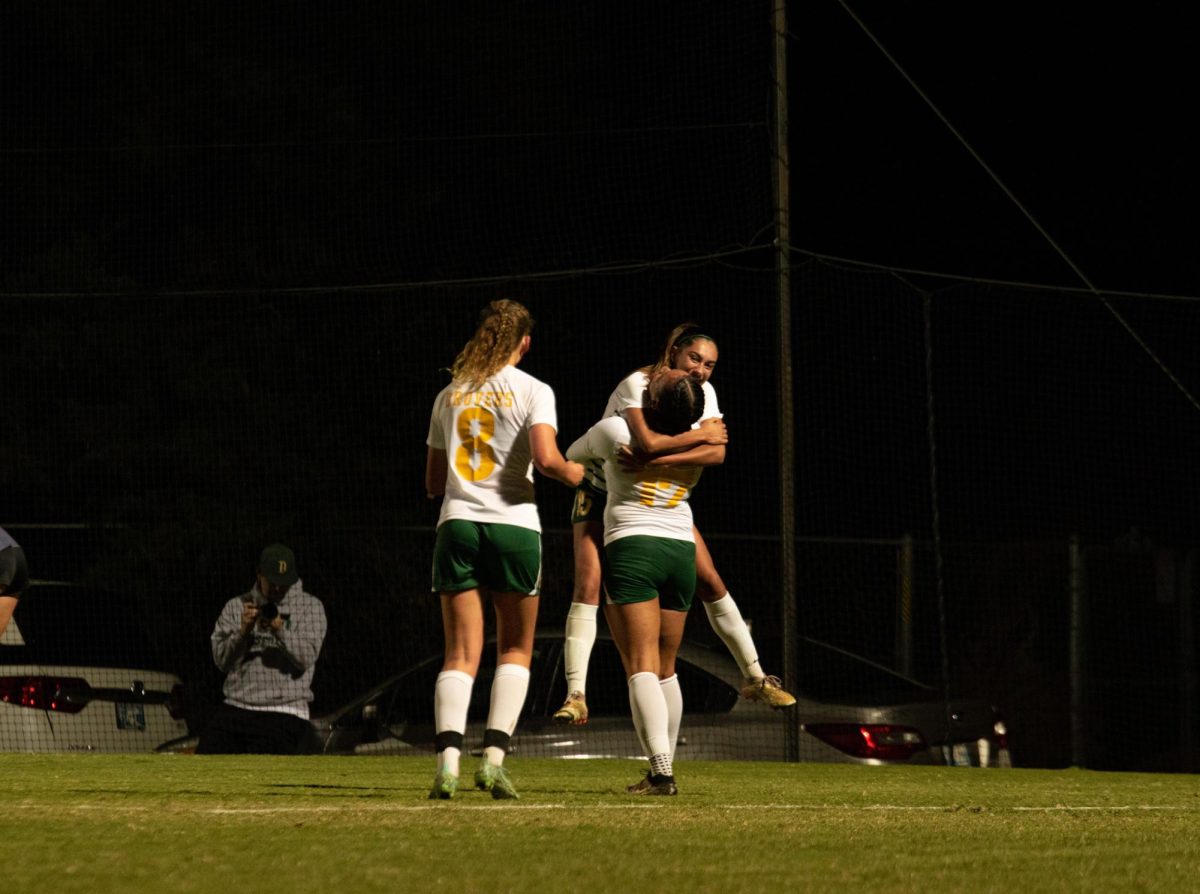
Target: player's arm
x,y
708,449
436,468
711,432
548,459
704,455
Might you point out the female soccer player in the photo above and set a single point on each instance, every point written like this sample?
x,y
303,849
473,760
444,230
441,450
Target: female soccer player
x,y
650,576
687,348
490,426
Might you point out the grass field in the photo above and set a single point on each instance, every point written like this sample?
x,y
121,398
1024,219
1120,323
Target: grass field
x,y
260,824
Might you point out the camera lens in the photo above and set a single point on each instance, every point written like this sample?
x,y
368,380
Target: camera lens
x,y
268,611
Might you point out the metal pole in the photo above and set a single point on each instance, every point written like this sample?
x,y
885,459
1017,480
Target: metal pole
x,y
1186,590
904,596
787,484
1077,643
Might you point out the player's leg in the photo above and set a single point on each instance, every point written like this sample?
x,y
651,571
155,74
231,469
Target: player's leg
x,y
513,562
726,619
462,626
635,570
671,624
454,576
587,535
646,699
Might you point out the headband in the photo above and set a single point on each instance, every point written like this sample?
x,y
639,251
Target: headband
x,y
691,335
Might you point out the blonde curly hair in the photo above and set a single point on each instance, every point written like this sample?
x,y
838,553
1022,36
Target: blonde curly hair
x,y
502,325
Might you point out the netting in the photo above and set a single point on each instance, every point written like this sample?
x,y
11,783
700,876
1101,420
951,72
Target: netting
x,y
240,247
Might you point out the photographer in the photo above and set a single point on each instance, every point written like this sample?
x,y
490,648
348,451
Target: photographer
x,y
266,642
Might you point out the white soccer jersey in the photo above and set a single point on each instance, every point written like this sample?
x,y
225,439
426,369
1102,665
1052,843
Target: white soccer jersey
x,y
631,389
629,393
485,433
653,501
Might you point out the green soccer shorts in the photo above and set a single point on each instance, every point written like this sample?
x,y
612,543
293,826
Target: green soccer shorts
x,y
500,558
639,568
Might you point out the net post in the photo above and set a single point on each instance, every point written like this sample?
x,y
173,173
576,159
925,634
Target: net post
x,y
787,484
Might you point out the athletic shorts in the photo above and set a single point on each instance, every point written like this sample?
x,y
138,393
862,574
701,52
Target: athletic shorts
x,y
500,558
639,568
588,505
14,573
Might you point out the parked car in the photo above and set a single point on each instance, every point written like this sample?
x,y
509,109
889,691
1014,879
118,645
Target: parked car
x,y
864,713
78,674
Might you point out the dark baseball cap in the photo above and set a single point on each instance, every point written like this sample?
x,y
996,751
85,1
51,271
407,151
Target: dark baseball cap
x,y
278,565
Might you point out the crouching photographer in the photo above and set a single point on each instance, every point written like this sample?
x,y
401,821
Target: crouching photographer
x,y
266,642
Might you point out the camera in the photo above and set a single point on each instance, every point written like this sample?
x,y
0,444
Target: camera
x,y
268,611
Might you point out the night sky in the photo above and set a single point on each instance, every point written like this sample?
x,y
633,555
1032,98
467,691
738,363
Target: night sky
x,y
218,153
1081,111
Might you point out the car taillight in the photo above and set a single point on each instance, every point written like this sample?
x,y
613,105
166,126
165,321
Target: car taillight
x,y
880,741
177,703
45,693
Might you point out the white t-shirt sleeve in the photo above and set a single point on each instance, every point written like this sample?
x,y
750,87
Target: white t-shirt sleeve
x,y
600,441
437,435
711,410
628,393
542,409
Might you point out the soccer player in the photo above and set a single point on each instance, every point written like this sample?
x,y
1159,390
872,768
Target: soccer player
x,y
687,348
489,428
650,574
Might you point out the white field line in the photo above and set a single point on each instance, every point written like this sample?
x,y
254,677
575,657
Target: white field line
x,y
415,808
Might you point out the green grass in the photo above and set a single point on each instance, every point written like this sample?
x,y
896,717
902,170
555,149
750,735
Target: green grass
x,y
260,824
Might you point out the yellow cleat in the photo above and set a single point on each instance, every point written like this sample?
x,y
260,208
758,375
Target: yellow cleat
x,y
768,691
574,710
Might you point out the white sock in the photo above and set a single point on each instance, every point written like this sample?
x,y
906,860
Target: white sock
x,y
646,699
726,620
509,687
451,699
674,697
577,652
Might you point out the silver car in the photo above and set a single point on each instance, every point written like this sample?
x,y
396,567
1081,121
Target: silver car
x,y
67,684
850,710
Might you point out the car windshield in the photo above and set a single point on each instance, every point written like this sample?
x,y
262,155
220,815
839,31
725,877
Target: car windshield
x,y
829,674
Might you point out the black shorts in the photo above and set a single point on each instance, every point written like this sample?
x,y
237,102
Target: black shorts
x,y
14,573
588,505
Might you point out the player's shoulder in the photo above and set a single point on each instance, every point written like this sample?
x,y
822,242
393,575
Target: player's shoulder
x,y
519,380
614,428
638,379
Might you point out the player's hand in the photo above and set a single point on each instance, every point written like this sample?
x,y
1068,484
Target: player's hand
x,y
714,431
573,473
631,459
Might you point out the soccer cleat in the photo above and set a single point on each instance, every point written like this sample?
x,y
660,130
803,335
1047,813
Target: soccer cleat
x,y
769,691
641,787
444,786
574,710
494,779
661,785
653,785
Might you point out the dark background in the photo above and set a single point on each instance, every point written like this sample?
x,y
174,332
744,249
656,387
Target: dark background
x,y
241,245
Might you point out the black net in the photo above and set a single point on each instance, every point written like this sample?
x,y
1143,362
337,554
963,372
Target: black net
x,y
241,246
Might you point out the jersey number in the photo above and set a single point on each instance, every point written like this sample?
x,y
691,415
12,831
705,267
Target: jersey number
x,y
665,494
474,459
